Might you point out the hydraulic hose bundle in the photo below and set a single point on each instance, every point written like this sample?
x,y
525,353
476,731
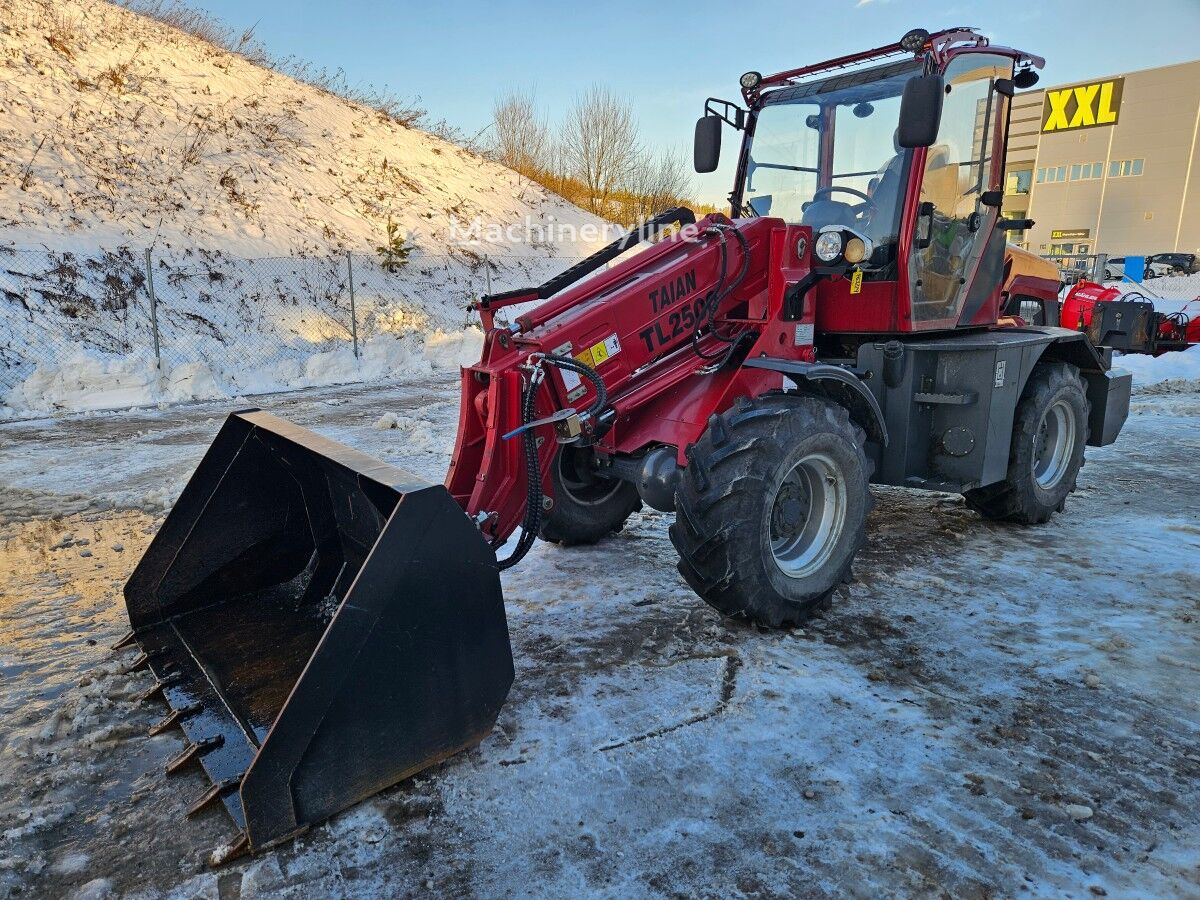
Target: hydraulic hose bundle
x,y
720,291
532,522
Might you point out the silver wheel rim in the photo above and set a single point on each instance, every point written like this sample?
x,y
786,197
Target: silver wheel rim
x,y
808,514
1054,444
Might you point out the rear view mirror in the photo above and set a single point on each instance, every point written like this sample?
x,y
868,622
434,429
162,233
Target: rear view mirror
x,y
920,111
706,152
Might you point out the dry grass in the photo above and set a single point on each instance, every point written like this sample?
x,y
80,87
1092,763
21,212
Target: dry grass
x,y
62,34
208,28
116,77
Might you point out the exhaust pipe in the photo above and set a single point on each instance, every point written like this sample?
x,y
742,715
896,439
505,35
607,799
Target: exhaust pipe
x,y
322,625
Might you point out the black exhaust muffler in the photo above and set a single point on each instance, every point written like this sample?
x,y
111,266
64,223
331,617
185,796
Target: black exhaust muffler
x,y
322,626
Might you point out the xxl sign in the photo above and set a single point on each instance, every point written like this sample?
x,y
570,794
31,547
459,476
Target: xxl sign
x,y
1083,106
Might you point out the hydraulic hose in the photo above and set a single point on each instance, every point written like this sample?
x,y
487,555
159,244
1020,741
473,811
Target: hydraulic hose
x,y
720,292
574,365
532,522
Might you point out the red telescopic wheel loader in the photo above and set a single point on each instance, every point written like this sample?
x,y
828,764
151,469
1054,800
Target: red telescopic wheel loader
x,y
323,625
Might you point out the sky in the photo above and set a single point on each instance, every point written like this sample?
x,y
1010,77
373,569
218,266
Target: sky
x,y
667,57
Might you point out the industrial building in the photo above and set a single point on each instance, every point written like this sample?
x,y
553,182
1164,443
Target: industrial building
x,y
1110,165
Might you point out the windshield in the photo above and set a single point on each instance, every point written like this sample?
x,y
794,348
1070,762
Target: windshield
x,y
825,154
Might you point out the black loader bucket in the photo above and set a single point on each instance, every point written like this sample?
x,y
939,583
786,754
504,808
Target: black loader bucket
x,y
321,624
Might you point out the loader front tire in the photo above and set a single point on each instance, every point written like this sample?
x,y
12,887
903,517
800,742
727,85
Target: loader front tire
x,y
1049,433
772,508
586,507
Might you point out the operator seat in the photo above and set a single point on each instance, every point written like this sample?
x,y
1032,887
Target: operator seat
x,y
827,211
883,227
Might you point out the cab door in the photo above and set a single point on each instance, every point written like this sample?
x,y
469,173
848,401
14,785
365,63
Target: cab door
x,y
953,225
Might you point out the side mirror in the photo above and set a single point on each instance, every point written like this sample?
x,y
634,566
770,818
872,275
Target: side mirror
x,y
921,111
706,151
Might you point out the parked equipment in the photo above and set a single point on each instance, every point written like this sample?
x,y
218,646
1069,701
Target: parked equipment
x,y
1128,322
323,625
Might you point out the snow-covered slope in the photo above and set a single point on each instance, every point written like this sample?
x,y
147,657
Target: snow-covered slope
x,y
116,129
119,133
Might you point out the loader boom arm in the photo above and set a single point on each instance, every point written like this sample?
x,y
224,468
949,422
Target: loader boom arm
x,y
645,328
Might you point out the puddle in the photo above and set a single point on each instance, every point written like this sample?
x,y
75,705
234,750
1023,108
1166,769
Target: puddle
x,y
73,742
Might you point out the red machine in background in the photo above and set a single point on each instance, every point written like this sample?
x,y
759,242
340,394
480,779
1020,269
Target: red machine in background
x,y
1128,321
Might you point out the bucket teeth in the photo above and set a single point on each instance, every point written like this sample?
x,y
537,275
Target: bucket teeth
x,y
143,660
214,793
126,640
193,752
235,849
158,687
175,716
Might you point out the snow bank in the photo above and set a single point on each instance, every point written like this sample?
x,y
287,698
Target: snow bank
x,y
87,380
1178,366
254,193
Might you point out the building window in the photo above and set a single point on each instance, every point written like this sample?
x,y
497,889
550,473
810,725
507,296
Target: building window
x,y
1124,168
1018,181
1052,174
1086,171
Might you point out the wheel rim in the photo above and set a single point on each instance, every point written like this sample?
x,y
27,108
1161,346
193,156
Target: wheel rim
x,y
577,480
808,514
1054,444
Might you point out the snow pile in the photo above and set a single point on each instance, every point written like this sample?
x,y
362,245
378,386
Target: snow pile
x,y
119,133
1181,365
91,381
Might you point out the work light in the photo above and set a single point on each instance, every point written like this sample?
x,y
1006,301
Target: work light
x,y
856,250
828,246
914,40
750,80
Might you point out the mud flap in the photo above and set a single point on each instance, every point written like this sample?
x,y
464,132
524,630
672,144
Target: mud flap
x,y
322,625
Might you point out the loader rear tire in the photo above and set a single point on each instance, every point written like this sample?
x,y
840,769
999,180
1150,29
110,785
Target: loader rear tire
x,y
1050,431
586,507
772,507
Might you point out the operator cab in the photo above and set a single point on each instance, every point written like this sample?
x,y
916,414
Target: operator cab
x,y
905,155
825,154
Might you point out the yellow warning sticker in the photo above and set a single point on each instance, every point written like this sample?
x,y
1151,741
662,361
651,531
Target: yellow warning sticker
x,y
856,282
598,353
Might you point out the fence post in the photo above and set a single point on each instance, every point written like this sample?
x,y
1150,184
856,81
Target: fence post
x,y
487,270
353,314
1098,268
153,310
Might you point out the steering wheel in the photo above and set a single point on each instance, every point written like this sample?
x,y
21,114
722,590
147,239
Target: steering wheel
x,y
866,201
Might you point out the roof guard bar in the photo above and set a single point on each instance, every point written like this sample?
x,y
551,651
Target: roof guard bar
x,y
939,43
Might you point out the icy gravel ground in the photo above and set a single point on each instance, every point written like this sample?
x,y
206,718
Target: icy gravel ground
x,y
987,711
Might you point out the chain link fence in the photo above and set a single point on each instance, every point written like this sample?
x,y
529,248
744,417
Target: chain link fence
x,y
1079,266
263,323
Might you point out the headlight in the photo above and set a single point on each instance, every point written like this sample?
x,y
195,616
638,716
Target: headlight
x,y
750,80
828,246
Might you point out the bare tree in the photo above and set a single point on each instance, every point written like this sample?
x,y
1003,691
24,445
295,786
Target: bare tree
x,y
655,183
599,144
521,136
